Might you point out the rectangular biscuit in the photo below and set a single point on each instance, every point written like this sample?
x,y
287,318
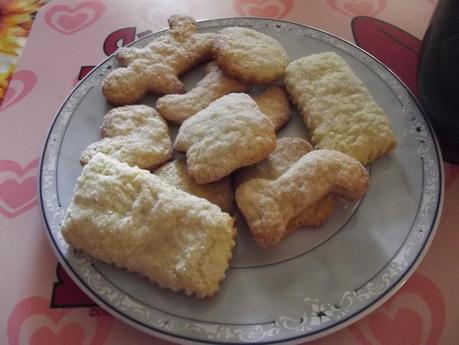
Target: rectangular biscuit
x,y
131,218
338,110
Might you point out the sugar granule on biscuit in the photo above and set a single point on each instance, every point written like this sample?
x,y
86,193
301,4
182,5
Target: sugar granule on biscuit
x,y
338,110
230,133
178,107
156,67
269,205
218,193
135,134
249,55
129,217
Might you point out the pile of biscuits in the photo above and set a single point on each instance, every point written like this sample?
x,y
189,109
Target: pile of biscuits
x,y
169,220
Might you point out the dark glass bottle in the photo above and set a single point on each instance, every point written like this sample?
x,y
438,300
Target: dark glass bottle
x,y
438,76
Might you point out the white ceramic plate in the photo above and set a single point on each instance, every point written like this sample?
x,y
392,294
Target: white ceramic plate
x,y
316,281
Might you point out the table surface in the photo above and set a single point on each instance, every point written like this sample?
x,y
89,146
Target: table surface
x,y
40,303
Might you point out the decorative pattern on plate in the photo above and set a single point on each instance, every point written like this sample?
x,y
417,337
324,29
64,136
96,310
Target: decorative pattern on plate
x,y
319,316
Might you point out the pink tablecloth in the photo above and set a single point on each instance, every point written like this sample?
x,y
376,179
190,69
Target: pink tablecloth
x,y
41,305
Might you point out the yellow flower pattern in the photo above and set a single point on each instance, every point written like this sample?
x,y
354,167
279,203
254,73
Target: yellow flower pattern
x,y
16,17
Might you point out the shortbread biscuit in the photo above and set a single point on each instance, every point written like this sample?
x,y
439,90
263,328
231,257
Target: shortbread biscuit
x,y
129,217
156,67
270,205
287,153
229,134
177,108
135,134
315,215
273,102
338,110
249,55
218,193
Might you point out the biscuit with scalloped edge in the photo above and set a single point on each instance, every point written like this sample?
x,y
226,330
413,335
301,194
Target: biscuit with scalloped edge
x,y
135,134
129,217
249,55
155,68
229,134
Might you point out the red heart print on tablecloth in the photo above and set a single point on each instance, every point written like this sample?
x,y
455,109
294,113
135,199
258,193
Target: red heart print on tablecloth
x,y
71,334
415,315
68,20
263,8
396,48
156,12
18,187
394,327
21,83
66,293
33,322
358,7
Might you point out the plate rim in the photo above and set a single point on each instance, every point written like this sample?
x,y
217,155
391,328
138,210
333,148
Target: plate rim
x,y
350,319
